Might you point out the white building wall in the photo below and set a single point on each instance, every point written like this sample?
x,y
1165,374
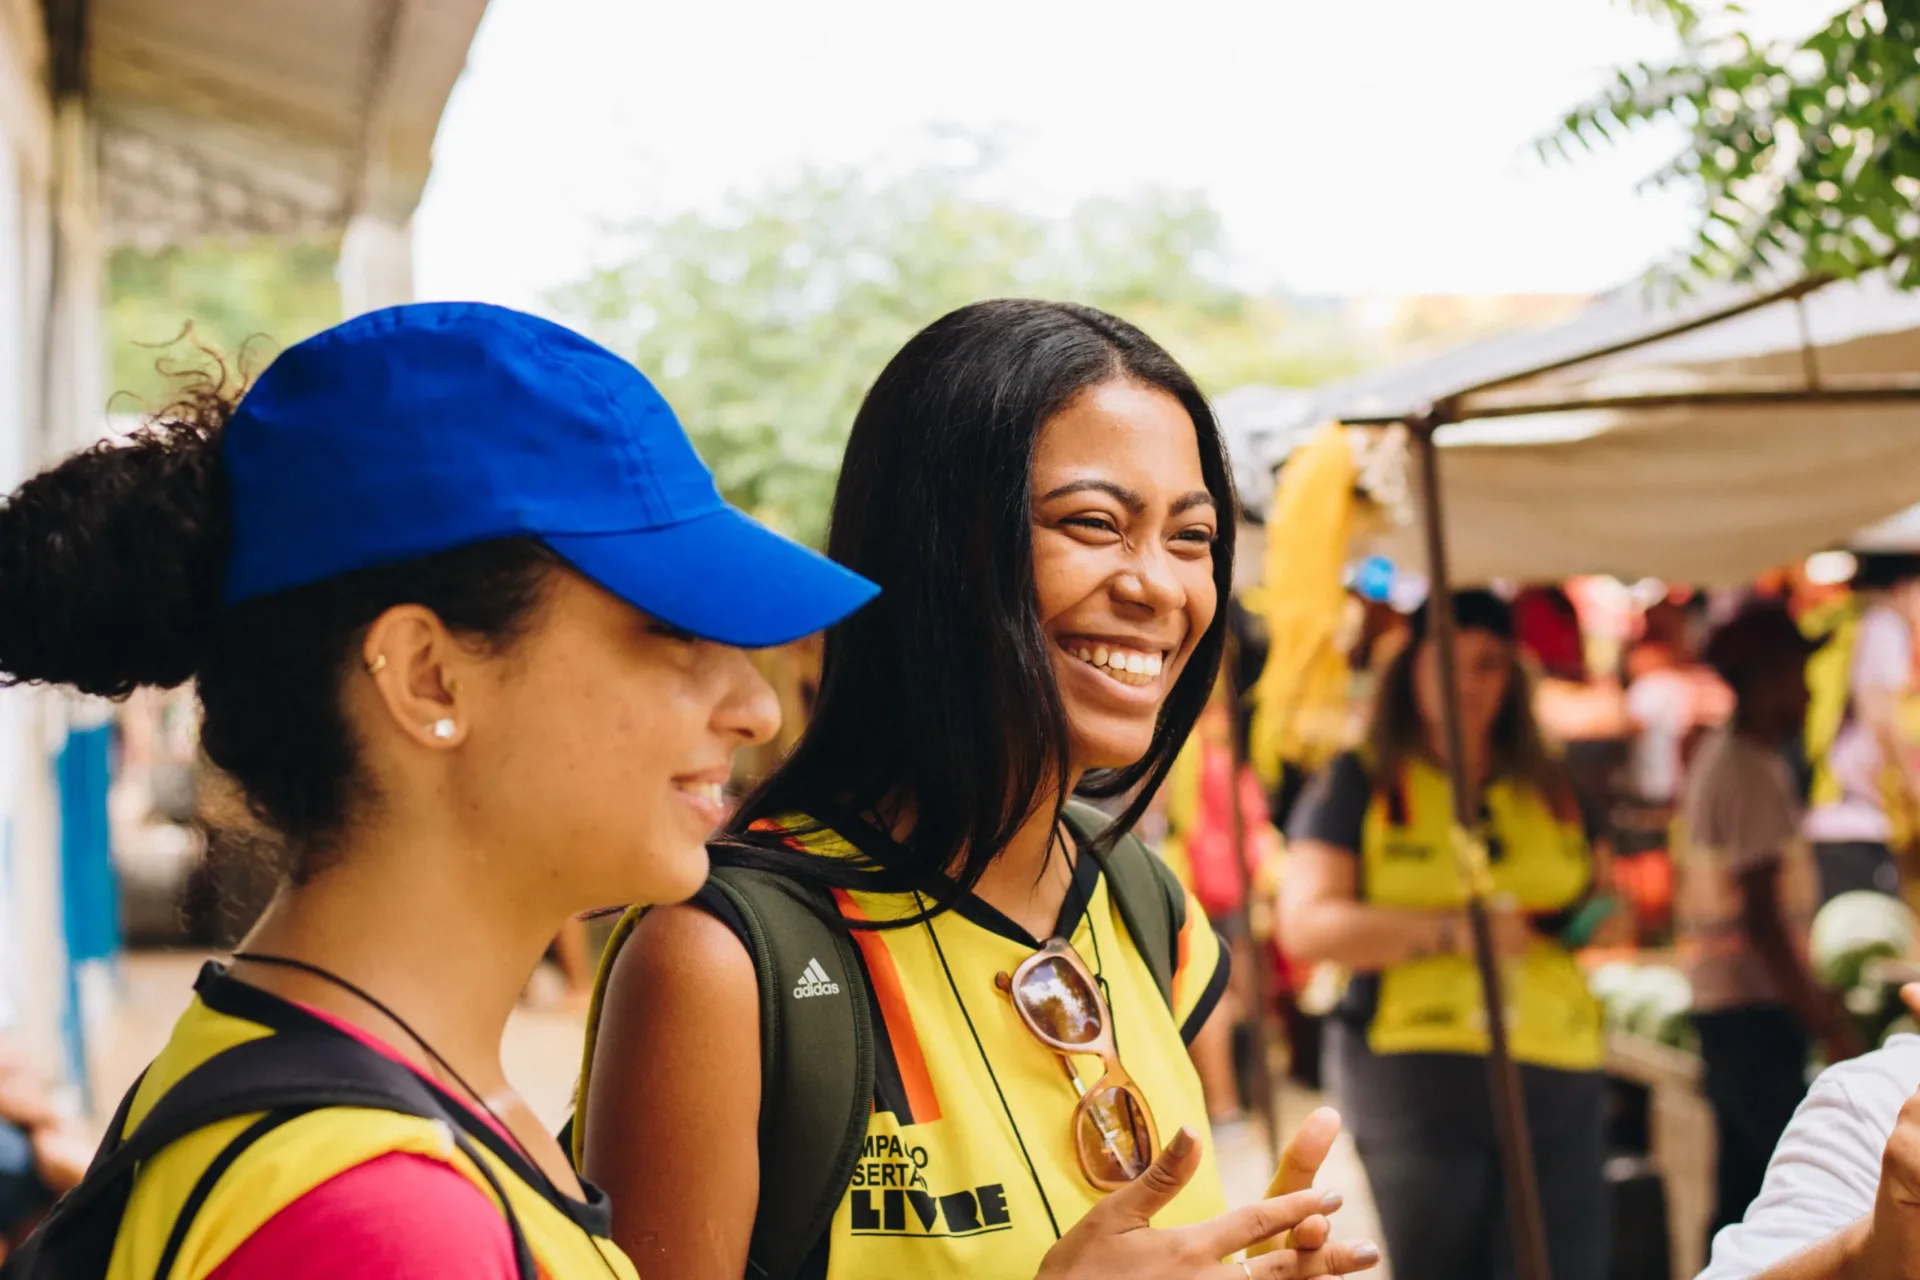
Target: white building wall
x,y
376,265
50,397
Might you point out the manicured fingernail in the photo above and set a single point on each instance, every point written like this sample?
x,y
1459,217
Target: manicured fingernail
x,y
1182,1142
1366,1253
1331,1201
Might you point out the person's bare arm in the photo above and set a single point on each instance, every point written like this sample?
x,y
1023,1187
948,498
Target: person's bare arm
x,y
1322,920
1765,925
672,1115
1841,1256
672,1136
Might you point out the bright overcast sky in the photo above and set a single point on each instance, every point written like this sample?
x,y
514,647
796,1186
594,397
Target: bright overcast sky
x,y
1353,147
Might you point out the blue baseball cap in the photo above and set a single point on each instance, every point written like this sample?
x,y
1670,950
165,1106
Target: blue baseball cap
x,y
423,428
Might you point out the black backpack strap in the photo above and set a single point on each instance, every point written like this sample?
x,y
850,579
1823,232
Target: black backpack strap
x,y
117,1127
91,1214
209,1179
593,1215
1151,901
816,1062
283,1076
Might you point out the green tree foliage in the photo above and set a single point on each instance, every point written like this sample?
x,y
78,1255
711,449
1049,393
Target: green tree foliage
x,y
244,302
765,324
1806,152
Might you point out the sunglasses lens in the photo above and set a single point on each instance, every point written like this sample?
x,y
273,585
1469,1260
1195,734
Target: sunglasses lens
x,y
1116,1140
1060,1002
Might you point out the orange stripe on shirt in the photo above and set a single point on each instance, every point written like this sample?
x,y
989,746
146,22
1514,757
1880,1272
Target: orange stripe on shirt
x,y
892,997
1180,959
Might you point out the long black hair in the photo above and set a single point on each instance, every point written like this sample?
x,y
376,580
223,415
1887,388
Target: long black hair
x,y
940,696
1397,731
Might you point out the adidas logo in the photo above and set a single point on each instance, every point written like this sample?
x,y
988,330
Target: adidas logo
x,y
815,982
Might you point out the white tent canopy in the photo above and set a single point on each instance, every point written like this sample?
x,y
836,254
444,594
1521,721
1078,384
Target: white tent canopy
x,y
1707,493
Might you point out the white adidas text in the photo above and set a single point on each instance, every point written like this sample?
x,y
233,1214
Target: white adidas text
x,y
815,982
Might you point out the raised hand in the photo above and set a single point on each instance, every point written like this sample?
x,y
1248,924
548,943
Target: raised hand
x,y
1116,1241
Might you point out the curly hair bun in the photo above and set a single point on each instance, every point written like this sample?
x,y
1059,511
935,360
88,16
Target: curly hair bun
x,y
111,562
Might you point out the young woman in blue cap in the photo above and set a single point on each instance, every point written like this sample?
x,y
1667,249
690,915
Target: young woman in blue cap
x,y
1043,494
465,614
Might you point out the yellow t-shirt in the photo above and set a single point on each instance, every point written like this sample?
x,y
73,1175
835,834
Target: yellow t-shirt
x,y
969,1166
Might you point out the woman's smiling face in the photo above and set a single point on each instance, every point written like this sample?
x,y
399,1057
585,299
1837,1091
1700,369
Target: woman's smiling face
x,y
1124,528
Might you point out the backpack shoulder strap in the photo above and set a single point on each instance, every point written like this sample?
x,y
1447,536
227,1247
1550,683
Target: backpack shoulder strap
x,y
116,1130
1151,901
816,1062
281,1076
101,1200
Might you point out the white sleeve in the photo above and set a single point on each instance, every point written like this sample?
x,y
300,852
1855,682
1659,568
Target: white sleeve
x,y
1826,1170
1883,654
1652,701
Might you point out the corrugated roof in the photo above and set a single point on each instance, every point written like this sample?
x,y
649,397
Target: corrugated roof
x,y
274,116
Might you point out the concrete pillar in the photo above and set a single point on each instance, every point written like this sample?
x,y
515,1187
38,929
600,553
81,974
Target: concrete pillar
x,y
76,392
32,955
376,264
59,384
74,396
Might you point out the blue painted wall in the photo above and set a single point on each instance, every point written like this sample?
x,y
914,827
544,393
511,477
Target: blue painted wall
x,y
90,892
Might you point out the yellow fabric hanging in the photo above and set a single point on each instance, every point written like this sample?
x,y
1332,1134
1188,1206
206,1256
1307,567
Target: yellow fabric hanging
x,y
1300,701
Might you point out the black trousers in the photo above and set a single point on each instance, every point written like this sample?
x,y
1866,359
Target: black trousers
x,y
1846,866
1444,1215
1756,1063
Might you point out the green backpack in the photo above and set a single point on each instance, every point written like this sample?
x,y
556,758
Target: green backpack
x,y
817,1056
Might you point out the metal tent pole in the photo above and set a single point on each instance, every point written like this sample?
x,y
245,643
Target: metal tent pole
x,y
1503,1077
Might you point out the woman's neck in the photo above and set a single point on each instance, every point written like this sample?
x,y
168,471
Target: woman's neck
x,y
1477,762
1030,879
1756,728
448,952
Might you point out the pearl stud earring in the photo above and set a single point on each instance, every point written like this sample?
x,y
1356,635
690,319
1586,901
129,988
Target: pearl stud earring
x,y
444,729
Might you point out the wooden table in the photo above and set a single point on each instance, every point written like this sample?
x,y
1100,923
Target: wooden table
x,y
1683,1139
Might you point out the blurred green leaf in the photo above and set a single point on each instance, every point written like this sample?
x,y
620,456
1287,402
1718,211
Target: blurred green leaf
x,y
242,300
765,321
1792,145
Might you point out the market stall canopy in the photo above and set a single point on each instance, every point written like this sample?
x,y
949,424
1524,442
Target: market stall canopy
x,y
270,117
1261,424
1900,533
1697,458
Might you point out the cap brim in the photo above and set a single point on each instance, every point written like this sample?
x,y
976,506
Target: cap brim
x,y
722,576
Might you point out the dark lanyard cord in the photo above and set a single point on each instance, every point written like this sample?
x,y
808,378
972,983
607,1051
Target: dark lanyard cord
x,y
1100,966
1100,976
327,975
988,1063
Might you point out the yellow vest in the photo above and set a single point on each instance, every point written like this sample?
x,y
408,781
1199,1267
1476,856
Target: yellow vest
x,y
1827,672
968,1164
1540,860
1829,689
298,1156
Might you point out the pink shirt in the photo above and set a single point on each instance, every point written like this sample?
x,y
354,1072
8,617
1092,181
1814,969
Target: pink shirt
x,y
400,1217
